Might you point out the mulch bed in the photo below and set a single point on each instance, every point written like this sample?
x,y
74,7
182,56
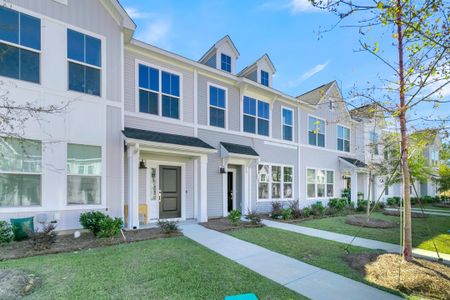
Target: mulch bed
x,y
14,284
396,213
420,277
222,224
67,243
361,220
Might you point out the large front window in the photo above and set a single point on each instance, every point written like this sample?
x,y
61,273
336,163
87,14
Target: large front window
x,y
84,54
256,116
275,182
20,45
320,183
217,106
159,92
20,172
343,139
316,132
287,123
84,169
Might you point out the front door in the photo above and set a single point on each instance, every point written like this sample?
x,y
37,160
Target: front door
x,y
170,189
230,190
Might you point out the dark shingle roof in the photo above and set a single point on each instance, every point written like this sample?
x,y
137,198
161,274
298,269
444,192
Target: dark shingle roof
x,y
239,149
160,137
314,96
354,161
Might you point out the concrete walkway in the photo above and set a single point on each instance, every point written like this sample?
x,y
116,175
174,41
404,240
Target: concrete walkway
x,y
343,238
427,211
310,281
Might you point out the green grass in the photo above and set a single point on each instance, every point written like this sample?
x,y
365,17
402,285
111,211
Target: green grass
x,y
422,238
315,251
174,268
431,206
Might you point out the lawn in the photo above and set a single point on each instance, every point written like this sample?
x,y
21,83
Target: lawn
x,y
174,268
422,238
314,251
431,206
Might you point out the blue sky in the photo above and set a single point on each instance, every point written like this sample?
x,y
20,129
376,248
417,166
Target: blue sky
x,y
285,29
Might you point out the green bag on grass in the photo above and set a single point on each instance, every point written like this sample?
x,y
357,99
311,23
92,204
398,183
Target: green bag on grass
x,y
23,228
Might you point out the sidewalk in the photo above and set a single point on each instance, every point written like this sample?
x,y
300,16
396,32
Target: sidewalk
x,y
343,238
310,281
427,211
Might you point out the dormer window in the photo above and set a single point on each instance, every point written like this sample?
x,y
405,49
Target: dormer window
x,y
225,62
264,78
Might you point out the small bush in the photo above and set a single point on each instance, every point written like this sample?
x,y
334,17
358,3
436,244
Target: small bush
x,y
100,225
337,203
287,214
428,199
361,205
253,217
42,240
393,201
109,227
6,232
277,210
306,212
331,211
317,208
346,194
168,227
296,211
234,217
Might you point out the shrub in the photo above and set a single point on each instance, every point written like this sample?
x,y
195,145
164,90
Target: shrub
x,y
337,203
427,199
100,225
393,201
436,199
361,205
253,217
44,239
6,232
277,210
296,211
306,212
346,193
168,227
234,217
331,211
286,214
317,208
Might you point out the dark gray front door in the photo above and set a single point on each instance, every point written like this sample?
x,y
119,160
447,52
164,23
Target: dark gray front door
x,y
170,186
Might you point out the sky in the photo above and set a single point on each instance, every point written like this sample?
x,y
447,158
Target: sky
x,y
287,30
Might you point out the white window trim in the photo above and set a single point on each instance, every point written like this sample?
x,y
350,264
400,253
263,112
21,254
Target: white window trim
x,y
160,93
325,132
256,117
210,84
283,124
270,199
315,183
349,138
220,62
261,78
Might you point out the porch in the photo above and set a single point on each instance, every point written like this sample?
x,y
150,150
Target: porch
x,y
165,177
356,177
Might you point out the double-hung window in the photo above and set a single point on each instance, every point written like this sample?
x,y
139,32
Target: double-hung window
x,y
316,132
264,78
20,172
217,106
274,182
320,183
373,138
256,116
84,54
20,45
287,123
159,92
225,62
343,138
84,171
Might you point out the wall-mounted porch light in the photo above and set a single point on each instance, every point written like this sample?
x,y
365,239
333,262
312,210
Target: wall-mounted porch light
x,y
222,170
142,165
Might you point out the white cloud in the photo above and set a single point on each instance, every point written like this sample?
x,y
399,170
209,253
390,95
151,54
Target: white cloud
x,y
155,31
308,74
135,13
294,6
298,6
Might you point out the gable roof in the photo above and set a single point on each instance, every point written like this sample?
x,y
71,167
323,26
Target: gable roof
x,y
225,39
245,71
428,136
315,96
126,21
367,111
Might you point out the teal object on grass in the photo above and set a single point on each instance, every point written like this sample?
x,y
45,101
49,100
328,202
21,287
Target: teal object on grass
x,y
242,297
23,228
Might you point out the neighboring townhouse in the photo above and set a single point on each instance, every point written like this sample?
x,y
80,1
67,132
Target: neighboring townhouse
x,y
149,134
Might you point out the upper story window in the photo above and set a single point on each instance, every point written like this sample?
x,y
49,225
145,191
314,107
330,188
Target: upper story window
x,y
316,132
84,54
343,138
159,89
287,123
374,140
264,78
225,62
217,106
330,105
434,157
256,116
20,172
20,45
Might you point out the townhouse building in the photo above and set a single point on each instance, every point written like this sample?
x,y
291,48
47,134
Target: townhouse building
x,y
147,134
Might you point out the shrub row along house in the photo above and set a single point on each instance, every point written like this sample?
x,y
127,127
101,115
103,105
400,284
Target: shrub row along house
x,y
148,134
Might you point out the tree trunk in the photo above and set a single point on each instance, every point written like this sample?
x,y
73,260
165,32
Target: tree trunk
x,y
404,145
369,195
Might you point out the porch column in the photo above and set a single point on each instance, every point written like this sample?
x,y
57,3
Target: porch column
x,y
354,187
133,186
245,189
203,199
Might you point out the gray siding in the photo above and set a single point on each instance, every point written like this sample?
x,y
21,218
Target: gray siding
x,y
211,62
154,125
253,76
